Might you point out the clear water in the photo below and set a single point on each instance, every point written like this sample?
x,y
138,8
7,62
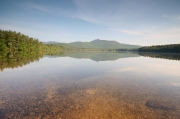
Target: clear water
x,y
92,86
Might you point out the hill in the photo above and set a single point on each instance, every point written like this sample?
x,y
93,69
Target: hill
x,y
97,44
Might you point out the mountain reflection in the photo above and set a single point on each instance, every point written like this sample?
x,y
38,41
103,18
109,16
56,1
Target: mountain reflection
x,y
111,56
98,56
19,59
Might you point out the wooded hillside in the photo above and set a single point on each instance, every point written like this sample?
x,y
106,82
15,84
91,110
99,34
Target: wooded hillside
x,y
172,48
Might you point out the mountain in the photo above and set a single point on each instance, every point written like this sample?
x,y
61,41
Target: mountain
x,y
97,44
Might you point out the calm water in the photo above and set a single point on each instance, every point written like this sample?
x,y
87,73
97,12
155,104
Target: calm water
x,y
91,86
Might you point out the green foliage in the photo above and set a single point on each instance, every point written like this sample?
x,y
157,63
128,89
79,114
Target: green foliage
x,y
11,41
172,48
50,49
17,49
18,59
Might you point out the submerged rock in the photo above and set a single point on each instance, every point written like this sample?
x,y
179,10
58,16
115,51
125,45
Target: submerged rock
x,y
1,115
160,105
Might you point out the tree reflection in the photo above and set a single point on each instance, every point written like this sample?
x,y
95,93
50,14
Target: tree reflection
x,y
18,59
170,56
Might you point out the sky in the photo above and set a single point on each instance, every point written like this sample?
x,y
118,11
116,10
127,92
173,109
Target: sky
x,y
138,22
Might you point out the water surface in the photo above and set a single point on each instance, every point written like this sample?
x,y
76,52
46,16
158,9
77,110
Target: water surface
x,y
92,86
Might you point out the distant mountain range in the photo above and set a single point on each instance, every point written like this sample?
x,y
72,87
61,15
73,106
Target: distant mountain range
x,y
96,44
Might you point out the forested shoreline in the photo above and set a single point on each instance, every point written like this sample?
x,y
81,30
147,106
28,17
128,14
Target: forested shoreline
x,y
11,41
17,49
172,48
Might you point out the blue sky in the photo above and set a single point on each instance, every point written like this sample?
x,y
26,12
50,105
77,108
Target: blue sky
x,y
140,22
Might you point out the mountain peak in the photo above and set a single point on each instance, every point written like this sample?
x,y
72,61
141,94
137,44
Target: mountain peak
x,y
98,40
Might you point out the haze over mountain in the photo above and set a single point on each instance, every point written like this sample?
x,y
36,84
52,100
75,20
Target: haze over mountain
x,y
97,44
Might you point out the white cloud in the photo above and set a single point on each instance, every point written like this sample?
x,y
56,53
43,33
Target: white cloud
x,y
171,34
152,36
128,31
100,12
41,35
178,17
172,17
166,16
114,17
85,10
41,8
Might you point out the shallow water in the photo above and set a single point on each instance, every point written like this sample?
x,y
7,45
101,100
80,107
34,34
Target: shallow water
x,y
92,86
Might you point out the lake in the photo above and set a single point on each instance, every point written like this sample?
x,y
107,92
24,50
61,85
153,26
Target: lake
x,y
91,85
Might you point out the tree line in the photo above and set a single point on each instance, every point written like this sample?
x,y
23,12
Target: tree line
x,y
172,48
17,49
11,41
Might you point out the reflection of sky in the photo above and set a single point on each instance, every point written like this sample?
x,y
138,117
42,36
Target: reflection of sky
x,y
164,71
158,70
151,66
